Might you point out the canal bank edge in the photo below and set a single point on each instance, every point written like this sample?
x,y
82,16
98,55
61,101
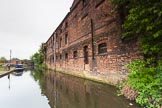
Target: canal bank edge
x,y
6,73
87,76
128,92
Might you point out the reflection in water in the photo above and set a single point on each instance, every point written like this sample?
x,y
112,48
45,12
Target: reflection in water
x,y
9,81
64,91
21,92
17,73
48,89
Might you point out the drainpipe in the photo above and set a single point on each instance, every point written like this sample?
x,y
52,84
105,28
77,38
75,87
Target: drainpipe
x,y
55,83
92,41
10,59
55,49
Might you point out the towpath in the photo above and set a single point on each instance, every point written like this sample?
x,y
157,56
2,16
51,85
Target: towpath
x,y
3,73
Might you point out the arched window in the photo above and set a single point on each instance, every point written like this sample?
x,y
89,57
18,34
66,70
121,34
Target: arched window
x,y
102,48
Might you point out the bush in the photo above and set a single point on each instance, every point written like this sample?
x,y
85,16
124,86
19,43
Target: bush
x,y
142,20
147,80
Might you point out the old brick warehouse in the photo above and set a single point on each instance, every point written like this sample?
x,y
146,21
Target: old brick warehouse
x,y
88,43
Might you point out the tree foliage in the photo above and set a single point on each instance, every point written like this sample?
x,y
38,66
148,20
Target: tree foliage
x,y
38,57
3,60
143,20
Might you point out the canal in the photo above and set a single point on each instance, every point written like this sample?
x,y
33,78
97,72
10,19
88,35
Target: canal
x,y
47,89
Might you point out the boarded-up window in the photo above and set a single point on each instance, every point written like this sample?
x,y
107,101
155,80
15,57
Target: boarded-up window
x,y
102,48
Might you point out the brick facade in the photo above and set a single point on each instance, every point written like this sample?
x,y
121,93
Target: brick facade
x,y
88,43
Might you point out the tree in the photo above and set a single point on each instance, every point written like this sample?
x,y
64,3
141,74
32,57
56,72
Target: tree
x,y
38,57
3,60
142,20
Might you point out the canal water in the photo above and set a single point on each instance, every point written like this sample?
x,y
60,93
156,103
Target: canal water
x,y
47,89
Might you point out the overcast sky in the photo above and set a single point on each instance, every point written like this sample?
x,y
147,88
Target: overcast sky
x,y
25,24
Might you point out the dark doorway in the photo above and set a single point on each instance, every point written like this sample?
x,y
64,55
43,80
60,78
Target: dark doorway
x,y
86,54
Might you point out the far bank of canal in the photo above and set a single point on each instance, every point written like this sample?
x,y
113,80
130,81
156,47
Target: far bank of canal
x,y
48,89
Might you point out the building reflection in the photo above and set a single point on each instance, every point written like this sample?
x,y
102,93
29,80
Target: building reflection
x,y
20,73
64,91
9,85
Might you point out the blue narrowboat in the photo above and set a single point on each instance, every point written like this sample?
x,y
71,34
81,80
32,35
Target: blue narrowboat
x,y
19,67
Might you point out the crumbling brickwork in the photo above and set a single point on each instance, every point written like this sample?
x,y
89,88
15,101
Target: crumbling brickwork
x,y
88,42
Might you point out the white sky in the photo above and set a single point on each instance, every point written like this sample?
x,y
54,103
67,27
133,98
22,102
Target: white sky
x,y
25,24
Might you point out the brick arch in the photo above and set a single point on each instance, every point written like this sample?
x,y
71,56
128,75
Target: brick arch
x,y
100,42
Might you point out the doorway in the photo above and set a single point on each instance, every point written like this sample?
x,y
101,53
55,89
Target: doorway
x,y
86,55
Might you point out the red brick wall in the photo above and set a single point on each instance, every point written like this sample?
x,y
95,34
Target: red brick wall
x,y
16,62
94,20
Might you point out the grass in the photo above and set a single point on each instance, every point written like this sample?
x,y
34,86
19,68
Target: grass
x,y
2,69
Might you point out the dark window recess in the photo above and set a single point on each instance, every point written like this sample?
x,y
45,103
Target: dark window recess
x,y
66,38
102,48
66,24
99,2
85,2
66,56
56,57
86,54
60,42
53,58
60,56
75,54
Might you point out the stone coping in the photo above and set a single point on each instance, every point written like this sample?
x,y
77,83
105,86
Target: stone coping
x,y
6,73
